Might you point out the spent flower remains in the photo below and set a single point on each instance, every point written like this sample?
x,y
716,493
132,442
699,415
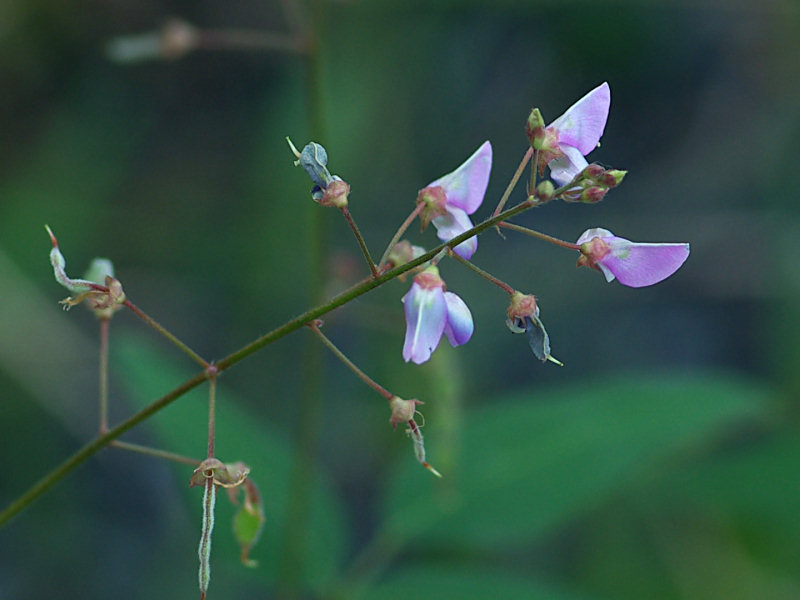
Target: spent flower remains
x,y
431,310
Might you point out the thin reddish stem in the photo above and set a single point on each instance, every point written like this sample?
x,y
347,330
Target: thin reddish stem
x,y
488,276
399,233
314,326
513,183
539,235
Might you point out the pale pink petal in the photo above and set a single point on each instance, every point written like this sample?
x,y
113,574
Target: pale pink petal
x,y
581,126
459,325
466,186
454,223
426,316
595,232
638,265
564,168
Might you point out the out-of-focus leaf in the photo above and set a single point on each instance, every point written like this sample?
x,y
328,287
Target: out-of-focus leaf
x,y
182,428
751,489
248,521
533,461
465,583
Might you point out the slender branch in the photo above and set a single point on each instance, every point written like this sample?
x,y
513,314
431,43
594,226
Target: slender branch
x,y
399,233
166,333
350,365
299,321
499,283
513,183
212,409
541,236
154,452
534,172
362,244
103,368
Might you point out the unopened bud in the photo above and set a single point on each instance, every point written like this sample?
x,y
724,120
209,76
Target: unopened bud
x,y
612,178
535,129
593,194
545,191
593,172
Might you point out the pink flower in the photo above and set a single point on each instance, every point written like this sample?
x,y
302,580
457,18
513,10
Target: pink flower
x,y
431,311
450,199
634,264
574,134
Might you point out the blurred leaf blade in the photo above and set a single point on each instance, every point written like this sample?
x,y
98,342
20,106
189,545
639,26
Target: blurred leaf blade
x,y
529,466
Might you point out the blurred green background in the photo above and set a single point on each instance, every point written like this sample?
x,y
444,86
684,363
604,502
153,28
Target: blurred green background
x,y
661,462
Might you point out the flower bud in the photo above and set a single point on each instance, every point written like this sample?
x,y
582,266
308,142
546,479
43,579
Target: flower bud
x,y
545,191
593,194
593,172
612,178
535,129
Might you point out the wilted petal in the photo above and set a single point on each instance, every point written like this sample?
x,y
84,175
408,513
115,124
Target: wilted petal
x,y
564,168
459,325
426,315
538,339
454,223
581,126
466,186
639,265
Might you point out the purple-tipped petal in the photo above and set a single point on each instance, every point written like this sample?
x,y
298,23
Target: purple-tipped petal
x,y
639,265
454,223
459,325
426,316
564,168
581,126
466,186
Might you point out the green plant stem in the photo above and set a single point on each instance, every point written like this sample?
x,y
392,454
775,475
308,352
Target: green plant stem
x,y
540,236
361,243
499,283
534,172
294,324
399,233
349,364
303,470
513,183
154,452
166,333
212,412
103,383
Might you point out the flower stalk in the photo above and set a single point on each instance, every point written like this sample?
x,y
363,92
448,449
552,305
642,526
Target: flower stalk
x,y
315,327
